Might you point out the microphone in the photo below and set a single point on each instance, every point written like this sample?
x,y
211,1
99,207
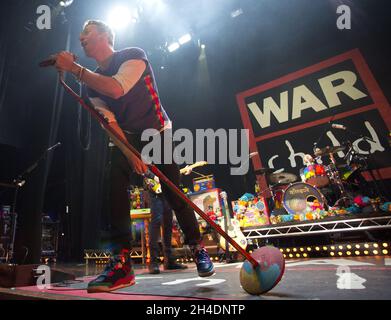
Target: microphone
x,y
52,61
338,126
47,63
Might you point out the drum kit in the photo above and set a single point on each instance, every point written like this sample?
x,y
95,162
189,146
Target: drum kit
x,y
320,184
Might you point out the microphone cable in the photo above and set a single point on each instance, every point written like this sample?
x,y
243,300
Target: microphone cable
x,y
84,135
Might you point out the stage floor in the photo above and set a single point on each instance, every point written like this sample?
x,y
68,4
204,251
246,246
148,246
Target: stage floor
x,y
304,279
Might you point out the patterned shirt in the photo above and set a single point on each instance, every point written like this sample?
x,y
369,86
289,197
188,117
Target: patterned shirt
x,y
140,107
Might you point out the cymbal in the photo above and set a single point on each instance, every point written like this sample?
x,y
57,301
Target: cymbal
x,y
327,150
263,171
282,178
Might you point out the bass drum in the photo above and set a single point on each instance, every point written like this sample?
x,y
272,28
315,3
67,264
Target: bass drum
x,y
301,197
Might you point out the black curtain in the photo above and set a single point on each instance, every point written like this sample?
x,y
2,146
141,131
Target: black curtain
x,y
34,115
86,169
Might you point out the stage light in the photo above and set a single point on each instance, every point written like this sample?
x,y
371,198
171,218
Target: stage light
x,y
332,254
385,245
357,253
325,248
302,249
297,255
288,250
340,247
332,248
385,251
120,17
294,249
282,250
349,246
348,253
305,255
290,255
317,248
309,249
366,245
66,3
375,245
366,252
375,252
173,46
203,46
340,253
236,13
184,39
357,246
284,255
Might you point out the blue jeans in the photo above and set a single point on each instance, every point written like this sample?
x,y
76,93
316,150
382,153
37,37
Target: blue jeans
x,y
161,215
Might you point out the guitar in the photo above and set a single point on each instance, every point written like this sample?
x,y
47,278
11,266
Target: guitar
x,y
152,182
233,227
187,170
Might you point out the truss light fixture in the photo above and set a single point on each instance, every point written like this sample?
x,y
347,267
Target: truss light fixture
x,y
173,46
66,3
236,13
184,39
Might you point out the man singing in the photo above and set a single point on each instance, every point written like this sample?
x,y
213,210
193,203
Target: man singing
x,y
123,89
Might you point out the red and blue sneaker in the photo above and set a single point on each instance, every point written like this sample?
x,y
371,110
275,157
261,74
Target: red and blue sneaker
x,y
117,274
205,266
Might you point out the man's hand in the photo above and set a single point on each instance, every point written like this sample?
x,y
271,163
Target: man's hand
x,y
65,61
138,166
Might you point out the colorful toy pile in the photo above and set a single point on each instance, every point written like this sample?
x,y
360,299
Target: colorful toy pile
x,y
315,211
250,211
137,198
152,183
386,206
